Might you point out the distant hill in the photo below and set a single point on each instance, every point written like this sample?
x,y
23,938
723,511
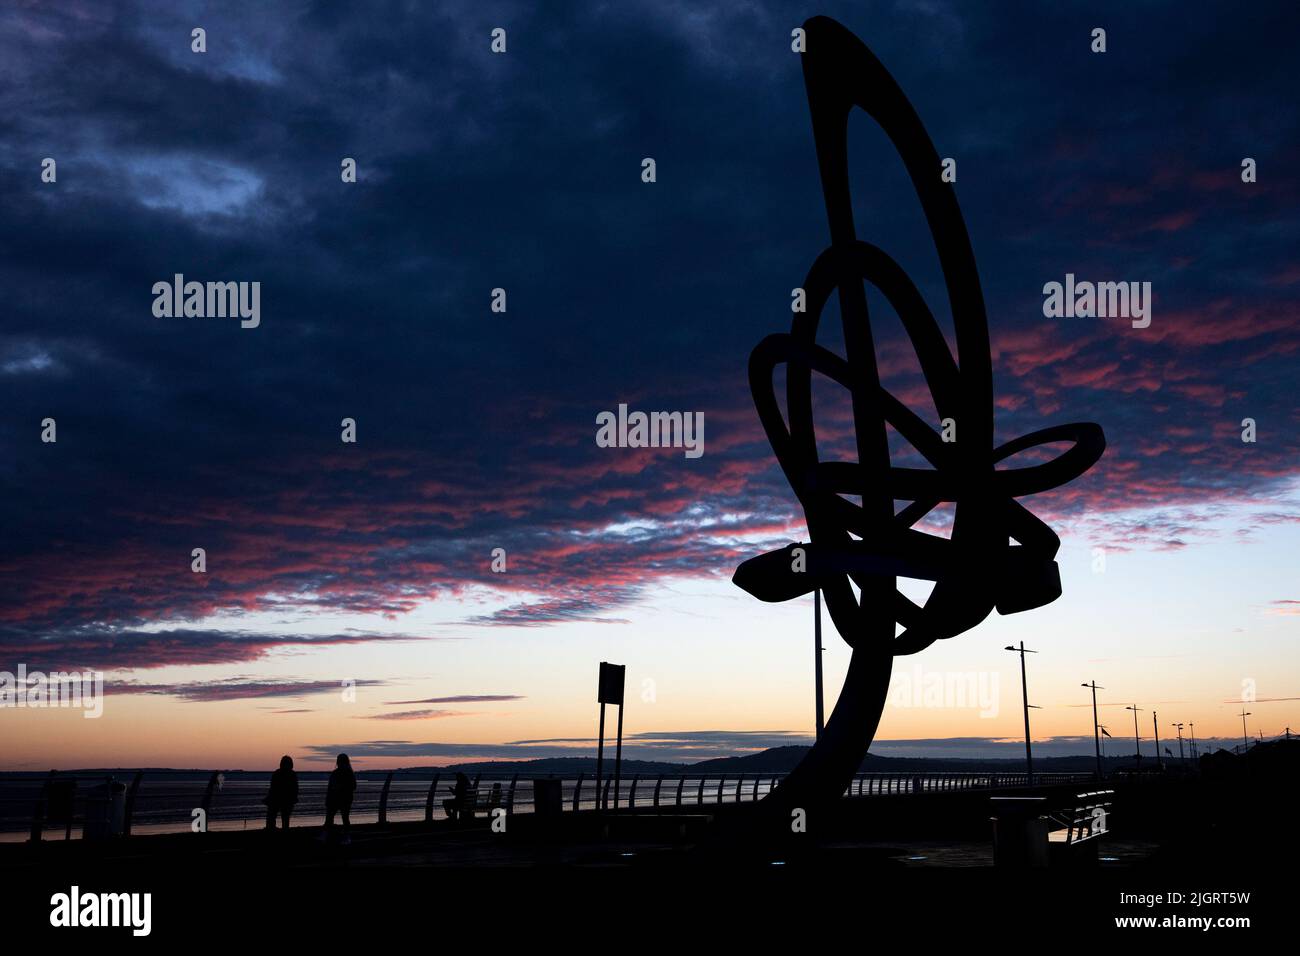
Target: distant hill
x,y
780,760
774,760
567,766
783,759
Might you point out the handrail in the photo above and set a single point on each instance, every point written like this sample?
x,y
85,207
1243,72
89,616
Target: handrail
x,y
130,802
383,798
165,799
431,798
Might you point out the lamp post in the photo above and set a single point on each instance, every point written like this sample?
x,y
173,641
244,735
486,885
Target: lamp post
x,y
1155,730
1024,690
1096,735
817,652
1192,727
1245,741
1137,740
1179,728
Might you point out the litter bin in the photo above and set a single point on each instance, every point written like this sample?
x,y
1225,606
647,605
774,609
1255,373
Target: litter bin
x,y
1019,831
548,798
106,811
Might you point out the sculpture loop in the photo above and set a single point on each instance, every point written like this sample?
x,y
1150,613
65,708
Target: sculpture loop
x,y
869,545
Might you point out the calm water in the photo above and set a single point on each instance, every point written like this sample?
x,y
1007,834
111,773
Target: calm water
x,y
166,800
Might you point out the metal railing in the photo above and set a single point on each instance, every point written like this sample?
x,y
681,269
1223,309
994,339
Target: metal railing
x,y
156,801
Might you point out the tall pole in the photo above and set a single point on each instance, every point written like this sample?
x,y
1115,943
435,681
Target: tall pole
x,y
817,657
1179,728
1192,725
1137,740
1024,691
618,759
600,757
1155,729
1096,732
1245,741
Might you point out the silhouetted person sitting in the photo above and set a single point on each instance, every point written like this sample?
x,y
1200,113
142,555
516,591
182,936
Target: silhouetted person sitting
x,y
459,807
494,798
283,794
338,797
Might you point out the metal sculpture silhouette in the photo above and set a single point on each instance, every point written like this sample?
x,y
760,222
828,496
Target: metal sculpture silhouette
x,y
977,568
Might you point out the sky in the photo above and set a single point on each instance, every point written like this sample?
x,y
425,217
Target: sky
x,y
349,601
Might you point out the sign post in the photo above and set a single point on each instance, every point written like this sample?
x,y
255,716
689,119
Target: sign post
x,y
610,691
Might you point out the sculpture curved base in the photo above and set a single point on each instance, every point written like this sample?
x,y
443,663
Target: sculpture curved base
x,y
824,774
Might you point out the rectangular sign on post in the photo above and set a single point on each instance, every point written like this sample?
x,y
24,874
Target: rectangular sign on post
x,y
611,683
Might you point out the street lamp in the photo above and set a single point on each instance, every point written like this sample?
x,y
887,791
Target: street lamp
x,y
1137,740
1024,690
817,659
1179,728
1245,741
1096,737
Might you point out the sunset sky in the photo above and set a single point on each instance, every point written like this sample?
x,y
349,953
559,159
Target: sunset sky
x,y
371,562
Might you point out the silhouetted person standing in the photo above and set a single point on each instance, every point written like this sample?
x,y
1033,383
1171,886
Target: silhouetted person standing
x,y
338,796
282,796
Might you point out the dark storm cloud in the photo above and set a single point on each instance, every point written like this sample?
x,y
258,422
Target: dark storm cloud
x,y
113,647
521,171
239,689
425,714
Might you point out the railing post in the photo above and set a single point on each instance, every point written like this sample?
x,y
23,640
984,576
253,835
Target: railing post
x,y
383,798
757,777
38,810
740,782
680,782
918,785
577,793
131,791
631,799
432,798
510,797
699,793
658,783
214,782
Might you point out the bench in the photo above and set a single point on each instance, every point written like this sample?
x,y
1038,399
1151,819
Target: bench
x,y
1050,831
1073,832
475,800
